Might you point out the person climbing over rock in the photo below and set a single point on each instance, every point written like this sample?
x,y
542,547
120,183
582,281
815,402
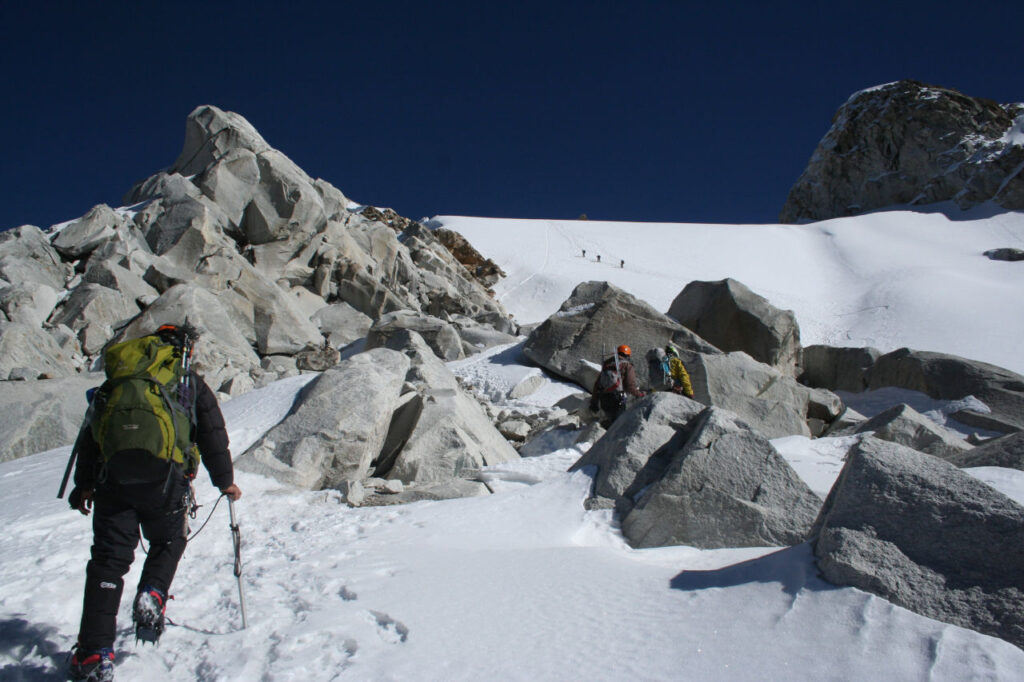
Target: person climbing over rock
x,y
614,384
677,370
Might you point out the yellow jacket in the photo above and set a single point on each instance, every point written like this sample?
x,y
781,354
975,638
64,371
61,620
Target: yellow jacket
x,y
680,375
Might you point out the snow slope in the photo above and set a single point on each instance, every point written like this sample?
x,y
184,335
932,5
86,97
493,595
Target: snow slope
x,y
885,280
525,584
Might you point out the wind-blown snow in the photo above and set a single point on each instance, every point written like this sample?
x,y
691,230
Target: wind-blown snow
x,y
525,584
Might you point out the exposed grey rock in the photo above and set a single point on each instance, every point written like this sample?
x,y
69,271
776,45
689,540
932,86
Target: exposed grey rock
x,y
42,415
30,348
222,351
824,405
477,337
1006,451
910,143
1007,254
430,490
948,377
231,181
919,532
210,133
27,256
514,429
597,318
732,317
28,303
338,426
445,433
635,450
845,424
341,323
528,386
94,312
286,202
453,438
838,369
84,235
725,486
110,274
904,425
442,337
772,403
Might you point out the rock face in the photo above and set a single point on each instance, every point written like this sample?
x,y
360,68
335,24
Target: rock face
x,y
638,445
1007,451
733,318
339,426
938,375
395,414
442,433
911,143
919,532
948,377
904,425
838,369
269,262
773,403
725,486
41,415
596,319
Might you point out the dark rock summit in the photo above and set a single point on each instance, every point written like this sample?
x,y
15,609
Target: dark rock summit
x,y
907,143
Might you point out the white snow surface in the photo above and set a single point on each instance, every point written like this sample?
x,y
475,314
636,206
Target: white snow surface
x,y
525,584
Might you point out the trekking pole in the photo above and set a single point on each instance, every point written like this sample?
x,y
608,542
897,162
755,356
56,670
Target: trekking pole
x,y
236,537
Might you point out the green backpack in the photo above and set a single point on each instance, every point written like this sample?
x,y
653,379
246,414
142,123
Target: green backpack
x,y
144,412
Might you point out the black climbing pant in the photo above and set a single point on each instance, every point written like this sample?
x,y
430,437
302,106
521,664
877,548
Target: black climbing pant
x,y
118,513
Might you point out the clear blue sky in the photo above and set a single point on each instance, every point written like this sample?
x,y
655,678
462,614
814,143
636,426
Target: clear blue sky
x,y
651,111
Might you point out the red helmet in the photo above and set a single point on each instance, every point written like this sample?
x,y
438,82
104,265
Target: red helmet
x,y
624,350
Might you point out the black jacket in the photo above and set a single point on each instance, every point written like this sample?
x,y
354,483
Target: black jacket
x,y
210,436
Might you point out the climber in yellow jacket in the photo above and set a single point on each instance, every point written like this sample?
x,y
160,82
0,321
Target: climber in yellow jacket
x,y
680,377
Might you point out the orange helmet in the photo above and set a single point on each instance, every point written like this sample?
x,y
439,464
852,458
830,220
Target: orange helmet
x,y
624,350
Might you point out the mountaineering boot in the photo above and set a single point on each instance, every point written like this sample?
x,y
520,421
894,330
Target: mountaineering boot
x,y
94,665
150,604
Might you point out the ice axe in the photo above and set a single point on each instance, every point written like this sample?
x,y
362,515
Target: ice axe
x,y
236,537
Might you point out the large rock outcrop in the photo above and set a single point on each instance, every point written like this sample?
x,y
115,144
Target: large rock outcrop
x,y
907,143
771,402
270,246
949,377
730,316
938,375
338,427
596,319
638,446
725,486
921,533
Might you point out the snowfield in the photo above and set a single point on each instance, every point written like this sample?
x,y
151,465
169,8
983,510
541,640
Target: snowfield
x,y
525,584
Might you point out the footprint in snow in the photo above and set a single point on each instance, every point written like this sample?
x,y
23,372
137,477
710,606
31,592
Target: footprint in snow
x,y
389,629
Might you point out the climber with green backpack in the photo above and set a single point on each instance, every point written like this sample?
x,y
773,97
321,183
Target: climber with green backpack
x,y
147,428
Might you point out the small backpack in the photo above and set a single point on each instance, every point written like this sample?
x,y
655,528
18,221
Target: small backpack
x,y
609,380
143,414
659,369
